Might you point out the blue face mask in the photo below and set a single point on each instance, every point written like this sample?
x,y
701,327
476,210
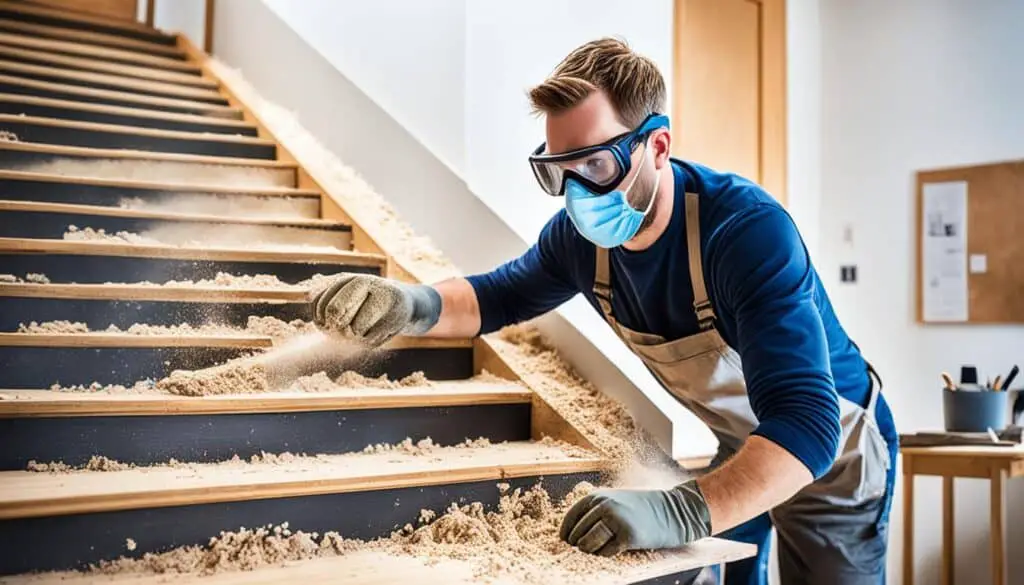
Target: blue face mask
x,y
606,220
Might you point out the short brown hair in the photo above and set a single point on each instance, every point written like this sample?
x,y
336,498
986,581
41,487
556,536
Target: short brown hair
x,y
631,81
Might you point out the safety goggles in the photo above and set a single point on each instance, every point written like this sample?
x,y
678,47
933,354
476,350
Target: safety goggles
x,y
600,168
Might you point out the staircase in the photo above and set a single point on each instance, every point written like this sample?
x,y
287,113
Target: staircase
x,y
123,128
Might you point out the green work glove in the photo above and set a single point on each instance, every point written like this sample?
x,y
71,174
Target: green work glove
x,y
610,521
373,310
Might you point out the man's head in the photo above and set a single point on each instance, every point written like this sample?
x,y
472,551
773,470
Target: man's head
x,y
601,90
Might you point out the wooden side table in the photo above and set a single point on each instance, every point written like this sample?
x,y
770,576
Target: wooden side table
x,y
995,463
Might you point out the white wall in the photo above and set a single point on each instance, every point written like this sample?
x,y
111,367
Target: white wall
x,y
407,55
184,16
912,85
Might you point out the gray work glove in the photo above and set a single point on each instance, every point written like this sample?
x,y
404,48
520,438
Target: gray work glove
x,y
373,310
610,521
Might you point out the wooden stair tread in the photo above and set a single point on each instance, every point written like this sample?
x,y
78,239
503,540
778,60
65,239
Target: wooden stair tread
x,y
94,64
365,568
241,339
48,403
25,494
100,210
97,248
95,38
120,81
157,185
213,110
86,50
135,130
135,112
92,152
79,17
141,292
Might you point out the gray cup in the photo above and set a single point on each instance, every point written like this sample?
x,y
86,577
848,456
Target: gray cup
x,y
974,411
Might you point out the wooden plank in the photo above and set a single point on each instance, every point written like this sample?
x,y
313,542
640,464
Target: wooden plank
x,y
26,494
954,466
74,208
157,185
968,451
139,292
94,95
99,248
86,152
997,526
117,82
145,72
126,26
948,532
97,52
364,568
908,519
135,130
122,10
92,37
228,125
243,339
47,403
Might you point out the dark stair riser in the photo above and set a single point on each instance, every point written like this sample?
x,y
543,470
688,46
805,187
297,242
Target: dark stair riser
x,y
11,27
43,60
62,94
209,97
46,111
109,196
112,59
52,226
27,160
46,134
99,314
141,35
65,542
148,440
84,269
26,368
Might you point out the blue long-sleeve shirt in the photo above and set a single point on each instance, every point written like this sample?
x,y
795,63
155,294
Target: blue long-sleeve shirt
x,y
770,304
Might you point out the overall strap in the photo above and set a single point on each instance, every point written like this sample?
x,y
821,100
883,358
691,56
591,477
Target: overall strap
x,y
701,304
603,287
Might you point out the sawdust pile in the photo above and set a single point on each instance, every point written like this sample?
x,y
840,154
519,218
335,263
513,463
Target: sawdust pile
x,y
95,463
425,446
87,234
267,238
359,200
140,387
519,539
259,326
231,378
8,136
175,172
228,205
32,277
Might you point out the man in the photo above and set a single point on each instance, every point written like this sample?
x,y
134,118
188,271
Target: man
x,y
705,277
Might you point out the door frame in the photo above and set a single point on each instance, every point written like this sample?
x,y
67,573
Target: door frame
x,y
772,91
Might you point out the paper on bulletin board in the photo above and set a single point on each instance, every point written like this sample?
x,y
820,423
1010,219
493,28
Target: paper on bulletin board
x,y
944,237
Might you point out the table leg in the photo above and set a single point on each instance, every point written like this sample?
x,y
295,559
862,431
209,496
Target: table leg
x,y
908,521
948,530
998,527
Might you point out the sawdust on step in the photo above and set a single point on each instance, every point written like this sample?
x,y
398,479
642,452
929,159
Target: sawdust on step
x,y
518,539
264,326
266,238
95,463
228,205
31,277
183,173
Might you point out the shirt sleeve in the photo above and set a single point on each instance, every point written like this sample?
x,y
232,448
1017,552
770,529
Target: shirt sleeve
x,y
530,285
764,277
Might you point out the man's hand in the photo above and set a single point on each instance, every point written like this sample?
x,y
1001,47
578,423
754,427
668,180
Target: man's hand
x,y
374,309
608,522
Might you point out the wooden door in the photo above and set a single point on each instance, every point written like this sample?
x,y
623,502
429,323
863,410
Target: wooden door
x,y
729,80
117,9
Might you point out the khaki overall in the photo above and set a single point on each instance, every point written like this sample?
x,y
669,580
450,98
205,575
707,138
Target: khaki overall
x,y
705,375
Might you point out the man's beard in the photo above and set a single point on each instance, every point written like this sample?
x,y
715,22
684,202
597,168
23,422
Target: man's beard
x,y
640,197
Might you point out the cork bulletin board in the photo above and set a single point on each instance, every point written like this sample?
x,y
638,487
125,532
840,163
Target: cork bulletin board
x,y
970,244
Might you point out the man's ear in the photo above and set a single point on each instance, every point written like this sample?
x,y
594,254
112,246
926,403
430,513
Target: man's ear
x,y
661,143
